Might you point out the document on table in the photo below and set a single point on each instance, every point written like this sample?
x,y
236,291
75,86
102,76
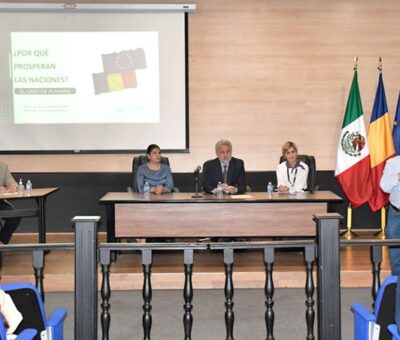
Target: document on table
x,y
8,193
241,196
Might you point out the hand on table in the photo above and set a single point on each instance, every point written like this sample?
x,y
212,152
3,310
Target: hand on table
x,y
229,188
158,190
10,189
283,189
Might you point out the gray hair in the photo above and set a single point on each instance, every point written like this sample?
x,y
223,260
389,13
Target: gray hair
x,y
222,142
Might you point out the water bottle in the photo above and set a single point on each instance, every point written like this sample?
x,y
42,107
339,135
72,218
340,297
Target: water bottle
x,y
29,187
146,190
270,189
220,190
20,188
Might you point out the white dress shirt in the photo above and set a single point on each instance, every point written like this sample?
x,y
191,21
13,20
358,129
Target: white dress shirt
x,y
294,178
390,181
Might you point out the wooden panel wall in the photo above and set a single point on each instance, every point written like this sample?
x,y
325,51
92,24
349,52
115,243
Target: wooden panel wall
x,y
263,72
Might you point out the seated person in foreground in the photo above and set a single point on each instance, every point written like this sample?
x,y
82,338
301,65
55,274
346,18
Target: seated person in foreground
x,y
7,185
155,173
10,313
225,169
291,174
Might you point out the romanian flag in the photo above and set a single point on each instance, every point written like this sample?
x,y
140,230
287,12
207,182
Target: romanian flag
x,y
352,161
396,128
381,146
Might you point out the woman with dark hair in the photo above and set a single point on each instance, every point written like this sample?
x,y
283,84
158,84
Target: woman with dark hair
x,y
291,174
156,174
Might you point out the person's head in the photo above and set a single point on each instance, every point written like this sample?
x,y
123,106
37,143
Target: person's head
x,y
153,153
289,152
223,150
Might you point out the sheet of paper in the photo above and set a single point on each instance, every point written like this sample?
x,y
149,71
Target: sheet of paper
x,y
8,194
241,196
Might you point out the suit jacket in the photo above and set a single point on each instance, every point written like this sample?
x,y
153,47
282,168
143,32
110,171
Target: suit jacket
x,y
212,174
6,179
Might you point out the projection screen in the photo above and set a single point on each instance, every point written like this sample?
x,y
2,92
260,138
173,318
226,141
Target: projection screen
x,y
93,81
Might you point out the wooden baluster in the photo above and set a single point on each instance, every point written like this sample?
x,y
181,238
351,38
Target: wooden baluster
x,y
376,259
229,291
269,292
309,258
147,293
105,259
38,264
188,294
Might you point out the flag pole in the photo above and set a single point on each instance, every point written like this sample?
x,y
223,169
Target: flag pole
x,y
349,220
382,233
380,64
349,233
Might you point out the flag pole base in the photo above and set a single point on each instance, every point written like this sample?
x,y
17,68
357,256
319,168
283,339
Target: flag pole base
x,y
348,234
380,233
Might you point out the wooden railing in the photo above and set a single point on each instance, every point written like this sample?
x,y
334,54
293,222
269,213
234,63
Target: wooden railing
x,y
323,250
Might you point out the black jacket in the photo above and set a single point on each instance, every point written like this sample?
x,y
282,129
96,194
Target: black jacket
x,y
212,174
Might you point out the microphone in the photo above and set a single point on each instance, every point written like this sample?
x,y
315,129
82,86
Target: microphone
x,y
196,179
197,170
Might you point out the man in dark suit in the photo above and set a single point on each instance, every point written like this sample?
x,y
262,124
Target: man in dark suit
x,y
225,169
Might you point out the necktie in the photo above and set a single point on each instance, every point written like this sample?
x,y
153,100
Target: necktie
x,y
225,175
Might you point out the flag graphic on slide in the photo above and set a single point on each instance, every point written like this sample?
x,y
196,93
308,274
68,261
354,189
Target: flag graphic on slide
x,y
381,145
119,71
104,82
124,61
352,160
396,128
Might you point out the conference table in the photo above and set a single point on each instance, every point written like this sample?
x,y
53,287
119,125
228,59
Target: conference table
x,y
40,196
254,214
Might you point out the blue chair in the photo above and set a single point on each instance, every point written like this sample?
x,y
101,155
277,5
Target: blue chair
x,y
382,315
29,303
393,330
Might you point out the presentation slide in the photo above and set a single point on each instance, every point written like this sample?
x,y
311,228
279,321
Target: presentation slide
x,y
85,77
73,82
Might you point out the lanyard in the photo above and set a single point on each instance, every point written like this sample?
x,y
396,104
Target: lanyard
x,y
295,174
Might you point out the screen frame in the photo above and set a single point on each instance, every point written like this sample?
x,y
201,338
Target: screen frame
x,y
88,8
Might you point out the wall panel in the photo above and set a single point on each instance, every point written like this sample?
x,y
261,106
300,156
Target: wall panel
x,y
262,72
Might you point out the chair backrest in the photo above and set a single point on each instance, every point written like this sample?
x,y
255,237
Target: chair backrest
x,y
29,303
139,160
312,170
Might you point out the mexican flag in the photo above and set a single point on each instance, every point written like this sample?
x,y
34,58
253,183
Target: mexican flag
x,y
352,160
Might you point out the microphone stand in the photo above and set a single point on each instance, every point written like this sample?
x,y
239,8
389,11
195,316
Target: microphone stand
x,y
196,180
